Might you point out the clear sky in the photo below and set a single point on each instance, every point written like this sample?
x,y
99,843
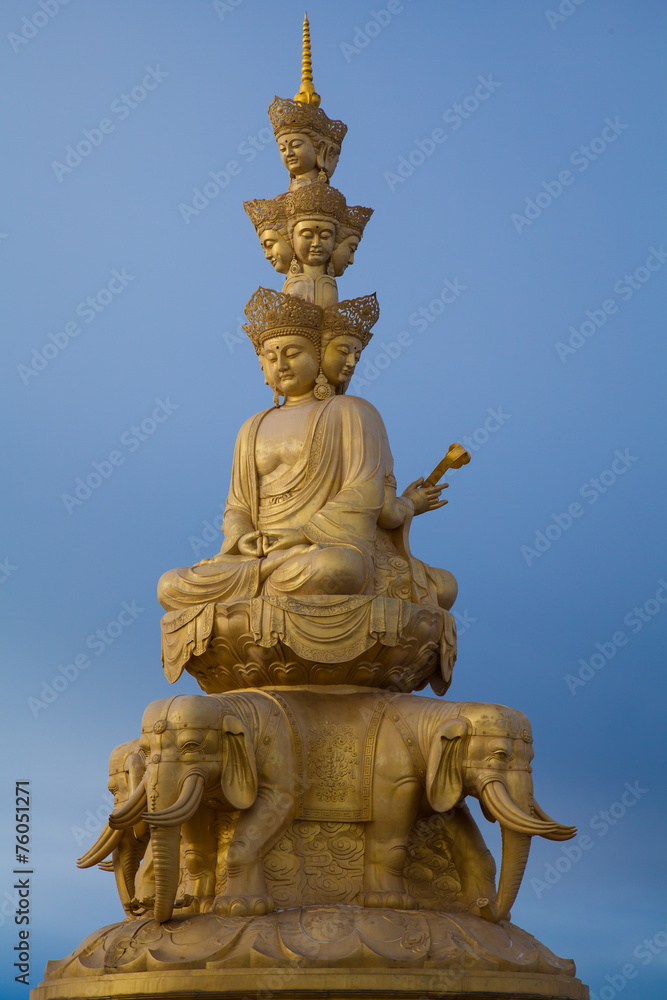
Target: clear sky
x,y
514,156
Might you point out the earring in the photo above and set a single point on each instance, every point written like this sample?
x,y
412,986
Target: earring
x,y
276,398
323,176
322,389
295,267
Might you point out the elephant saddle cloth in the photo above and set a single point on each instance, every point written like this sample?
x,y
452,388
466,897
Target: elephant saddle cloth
x,y
334,739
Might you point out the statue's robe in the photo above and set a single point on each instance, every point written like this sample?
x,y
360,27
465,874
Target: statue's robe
x,y
334,494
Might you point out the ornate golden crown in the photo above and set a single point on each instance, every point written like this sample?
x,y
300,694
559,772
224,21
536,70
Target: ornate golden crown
x,y
314,200
275,314
352,316
266,213
356,217
294,116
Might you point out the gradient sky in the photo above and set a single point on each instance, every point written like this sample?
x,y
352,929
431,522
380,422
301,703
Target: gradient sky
x,y
521,257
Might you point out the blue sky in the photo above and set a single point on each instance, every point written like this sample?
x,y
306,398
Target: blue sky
x,y
514,156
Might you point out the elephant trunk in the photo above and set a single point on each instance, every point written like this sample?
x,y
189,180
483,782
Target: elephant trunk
x,y
166,866
516,847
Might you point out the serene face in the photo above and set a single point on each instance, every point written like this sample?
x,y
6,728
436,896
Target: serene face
x,y
343,255
291,364
313,241
297,153
340,358
276,249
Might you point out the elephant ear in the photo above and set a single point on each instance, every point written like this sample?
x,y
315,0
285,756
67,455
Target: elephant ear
x,y
444,775
238,775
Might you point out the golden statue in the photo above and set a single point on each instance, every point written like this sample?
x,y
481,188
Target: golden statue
x,y
302,825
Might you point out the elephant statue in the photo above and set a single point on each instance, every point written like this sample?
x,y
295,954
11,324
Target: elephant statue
x,y
449,750
328,754
127,847
207,753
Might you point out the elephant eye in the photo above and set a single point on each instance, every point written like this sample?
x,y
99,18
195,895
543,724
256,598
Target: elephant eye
x,y
501,754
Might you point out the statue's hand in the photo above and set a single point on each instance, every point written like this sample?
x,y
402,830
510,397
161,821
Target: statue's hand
x,y
283,538
250,544
425,497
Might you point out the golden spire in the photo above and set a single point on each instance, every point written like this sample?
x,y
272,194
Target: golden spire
x,y
307,93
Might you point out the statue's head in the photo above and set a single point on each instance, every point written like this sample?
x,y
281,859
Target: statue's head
x,y
277,249
308,141
302,347
313,241
314,214
350,231
346,330
268,217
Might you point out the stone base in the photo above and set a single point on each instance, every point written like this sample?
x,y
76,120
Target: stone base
x,y
343,952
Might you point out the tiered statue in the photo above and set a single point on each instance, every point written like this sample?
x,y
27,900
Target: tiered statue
x,y
302,825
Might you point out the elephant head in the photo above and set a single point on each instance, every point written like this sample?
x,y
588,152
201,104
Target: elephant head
x,y
485,751
127,847
195,751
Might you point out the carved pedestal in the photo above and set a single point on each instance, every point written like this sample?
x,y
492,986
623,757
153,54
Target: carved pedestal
x,y
337,951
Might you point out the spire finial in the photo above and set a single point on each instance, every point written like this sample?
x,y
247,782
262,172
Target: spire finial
x,y
307,93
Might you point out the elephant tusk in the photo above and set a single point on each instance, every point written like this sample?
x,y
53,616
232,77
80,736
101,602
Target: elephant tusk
x,y
130,812
564,832
184,807
497,800
506,811
107,842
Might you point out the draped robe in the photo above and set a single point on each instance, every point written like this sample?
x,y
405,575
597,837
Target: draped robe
x,y
333,494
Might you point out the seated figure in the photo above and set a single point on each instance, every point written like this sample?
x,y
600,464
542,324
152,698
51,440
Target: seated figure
x,y
312,510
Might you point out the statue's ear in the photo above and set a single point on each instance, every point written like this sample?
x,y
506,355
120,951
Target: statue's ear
x,y
444,775
238,772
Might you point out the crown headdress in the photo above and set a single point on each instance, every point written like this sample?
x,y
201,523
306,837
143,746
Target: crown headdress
x,y
266,213
355,218
352,316
275,314
314,200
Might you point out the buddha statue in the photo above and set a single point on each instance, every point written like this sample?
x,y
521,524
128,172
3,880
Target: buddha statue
x,y
312,510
